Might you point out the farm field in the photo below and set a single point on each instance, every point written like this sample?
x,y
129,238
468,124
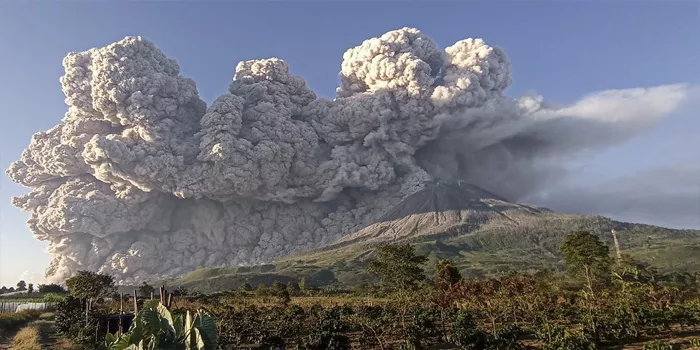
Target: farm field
x,y
597,302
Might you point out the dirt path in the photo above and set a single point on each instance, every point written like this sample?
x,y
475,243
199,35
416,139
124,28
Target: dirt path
x,y
47,331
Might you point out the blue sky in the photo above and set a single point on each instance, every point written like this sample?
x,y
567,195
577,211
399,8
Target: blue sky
x,y
562,50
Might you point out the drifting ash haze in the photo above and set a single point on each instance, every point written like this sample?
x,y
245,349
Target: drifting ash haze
x,y
142,180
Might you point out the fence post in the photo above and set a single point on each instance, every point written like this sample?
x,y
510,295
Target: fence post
x,y
136,304
121,312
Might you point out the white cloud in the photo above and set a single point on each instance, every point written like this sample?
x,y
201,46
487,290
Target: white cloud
x,y
35,277
664,196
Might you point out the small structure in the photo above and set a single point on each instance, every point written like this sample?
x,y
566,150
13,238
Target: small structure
x,y
117,323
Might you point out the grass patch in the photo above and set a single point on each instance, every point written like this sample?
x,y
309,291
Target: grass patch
x,y
47,316
11,321
28,338
65,344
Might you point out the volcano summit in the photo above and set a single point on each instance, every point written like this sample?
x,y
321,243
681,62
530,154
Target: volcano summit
x,y
441,208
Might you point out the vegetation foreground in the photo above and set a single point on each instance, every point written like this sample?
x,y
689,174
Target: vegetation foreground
x,y
602,303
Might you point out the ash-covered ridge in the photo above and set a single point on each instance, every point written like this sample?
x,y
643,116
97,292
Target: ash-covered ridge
x,y
443,207
442,197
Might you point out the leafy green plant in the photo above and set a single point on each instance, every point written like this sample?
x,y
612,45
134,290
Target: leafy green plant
x,y
466,334
423,325
155,327
557,337
375,321
327,331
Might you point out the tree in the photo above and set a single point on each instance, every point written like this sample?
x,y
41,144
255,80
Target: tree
x,y
246,287
145,289
180,291
21,285
586,256
90,285
262,290
446,274
398,267
278,287
304,284
293,288
51,288
3,290
284,296
30,288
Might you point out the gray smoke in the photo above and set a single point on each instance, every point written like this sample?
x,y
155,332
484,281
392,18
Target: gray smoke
x,y
142,180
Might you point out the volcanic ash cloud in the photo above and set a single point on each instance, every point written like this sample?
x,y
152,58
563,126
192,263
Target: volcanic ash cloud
x,y
142,180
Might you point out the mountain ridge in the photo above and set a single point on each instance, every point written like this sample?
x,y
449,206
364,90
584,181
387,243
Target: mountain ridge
x,y
437,208
481,232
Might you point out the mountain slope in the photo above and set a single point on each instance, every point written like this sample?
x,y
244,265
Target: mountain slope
x,y
482,233
440,208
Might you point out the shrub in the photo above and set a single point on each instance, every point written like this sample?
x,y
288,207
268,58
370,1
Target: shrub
x,y
375,322
466,334
293,288
269,342
423,326
69,314
557,337
658,345
53,298
71,321
327,328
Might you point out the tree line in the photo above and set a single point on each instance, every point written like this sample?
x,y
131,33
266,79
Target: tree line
x,y
23,286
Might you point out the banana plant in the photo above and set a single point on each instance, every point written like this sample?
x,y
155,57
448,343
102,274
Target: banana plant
x,y
155,327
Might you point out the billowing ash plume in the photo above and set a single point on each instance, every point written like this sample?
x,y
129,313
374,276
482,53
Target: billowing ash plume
x,y
142,180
